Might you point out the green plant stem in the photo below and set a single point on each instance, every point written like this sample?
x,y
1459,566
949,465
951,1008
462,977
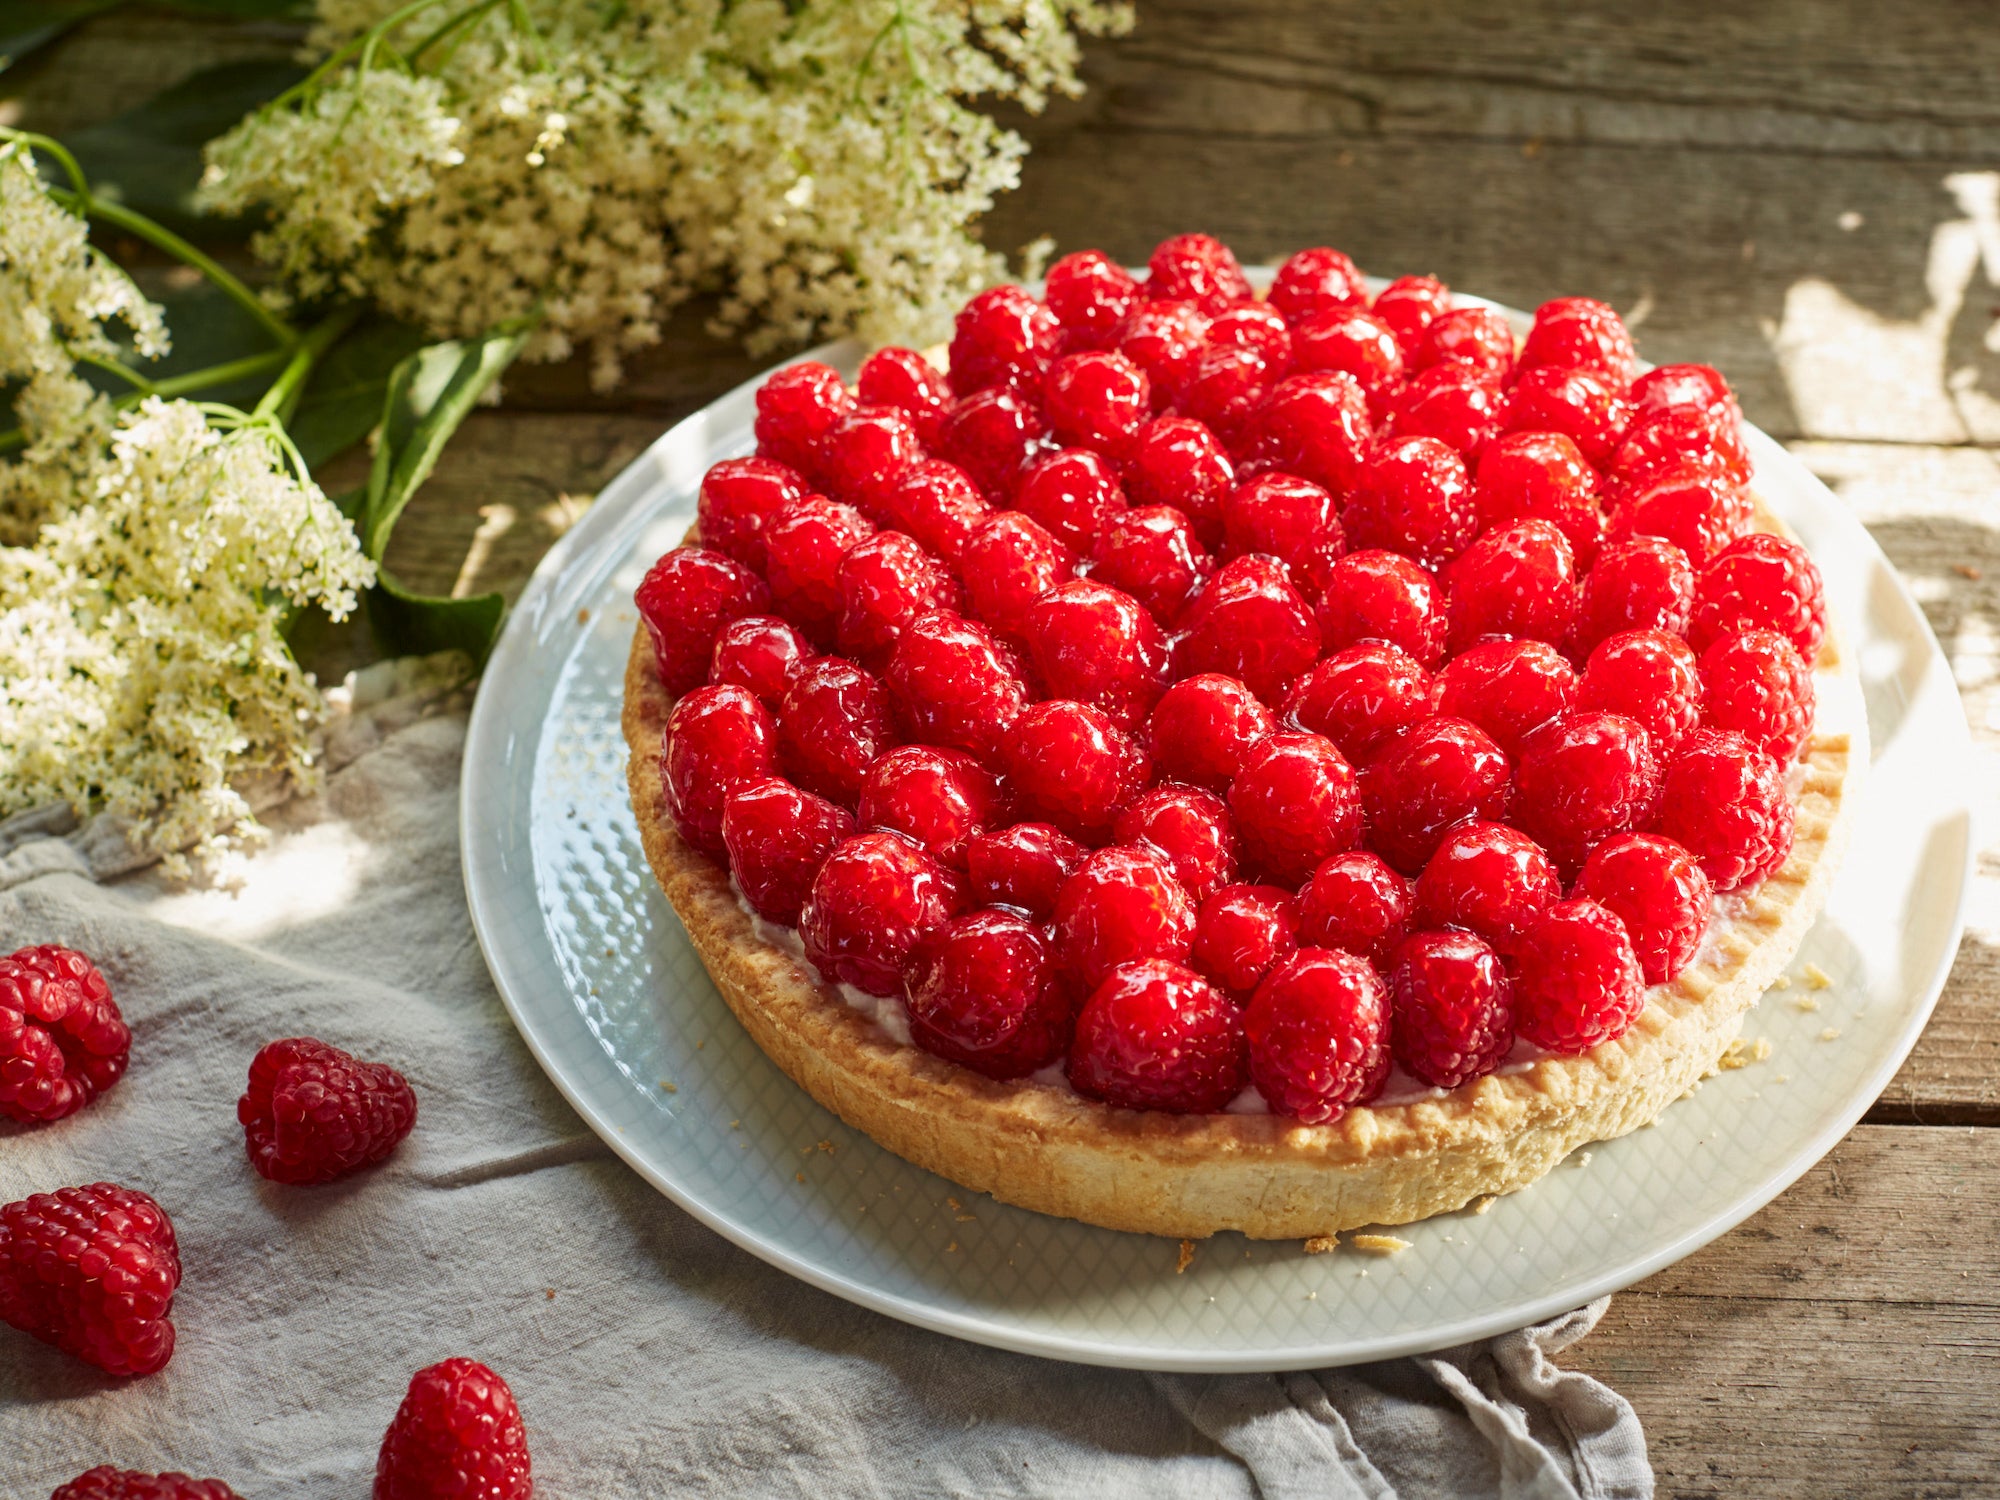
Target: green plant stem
x,y
182,251
119,368
283,396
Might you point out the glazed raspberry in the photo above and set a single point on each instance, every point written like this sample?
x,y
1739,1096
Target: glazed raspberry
x,y
865,450
1024,866
1696,512
685,599
1452,403
1761,582
457,1436
875,898
1156,1035
1189,829
1724,800
1698,388
1582,779
1409,305
1477,339
716,736
938,798
796,407
1002,337
1517,580
312,1112
92,1270
777,837
1382,596
1658,890
1454,1008
1540,476
1316,281
1411,497
1315,426
831,725
1643,583
1099,646
904,380
762,653
1583,406
1650,676
1759,686
1293,520
956,684
1224,390
1166,340
107,1483
1577,982
1196,268
1251,624
1489,879
886,581
1097,400
1355,342
1257,327
1577,333
1318,1028
1011,562
738,496
1356,903
1438,773
1295,802
1091,294
803,546
1121,906
1508,688
984,991
935,502
62,1039
1153,555
1071,766
1240,932
1205,727
1179,462
993,435
1071,494
1665,442
1360,698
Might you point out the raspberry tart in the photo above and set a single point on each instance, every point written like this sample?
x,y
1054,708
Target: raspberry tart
x,y
1189,759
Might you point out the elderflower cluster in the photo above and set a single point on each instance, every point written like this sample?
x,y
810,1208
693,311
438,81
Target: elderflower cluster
x,y
816,162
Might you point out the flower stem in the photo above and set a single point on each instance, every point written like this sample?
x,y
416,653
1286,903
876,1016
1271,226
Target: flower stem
x,y
165,239
283,396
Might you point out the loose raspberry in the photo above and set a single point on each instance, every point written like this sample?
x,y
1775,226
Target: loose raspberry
x,y
1205,727
1517,580
1698,388
1452,403
1072,494
63,1040
1224,391
1002,337
1187,827
762,653
1098,400
865,451
1318,1028
1156,1035
1659,891
803,546
1091,294
738,497
1412,497
1258,327
796,407
1577,982
1025,867
1577,333
1644,583
1196,268
1584,407
1409,305
1650,676
1541,476
957,685
1315,426
1071,766
832,724
993,435
1295,802
777,837
886,581
1724,800
1696,512
1152,554
1009,564
1508,688
1375,595
1478,340
1669,441
1759,686
1454,1008
1761,582
107,1483
685,599
1316,281
1360,697
457,1436
1178,462
1293,520
1489,879
1099,646
1123,905
935,502
313,1112
1582,779
715,737
1240,932
984,991
1354,342
1166,340
875,898
1356,903
938,798
92,1270
1251,624
1438,773
905,380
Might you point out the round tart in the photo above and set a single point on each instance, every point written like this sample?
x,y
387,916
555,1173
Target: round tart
x,y
1211,762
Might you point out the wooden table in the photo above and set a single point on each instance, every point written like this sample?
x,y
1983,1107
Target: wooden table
x,y
1803,194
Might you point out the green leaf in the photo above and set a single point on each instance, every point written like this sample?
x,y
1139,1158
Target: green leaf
x,y
344,396
247,10
28,24
408,624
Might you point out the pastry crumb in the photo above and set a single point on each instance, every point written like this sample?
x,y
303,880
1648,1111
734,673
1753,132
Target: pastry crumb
x,y
1806,1003
735,1124
699,1045
965,1219
1741,1052
668,1087
1830,1034
1582,1158
1186,1257
1379,1244
1485,1204
1782,982
548,1294
1319,1244
827,1147
952,1248
1817,978
583,617
953,1204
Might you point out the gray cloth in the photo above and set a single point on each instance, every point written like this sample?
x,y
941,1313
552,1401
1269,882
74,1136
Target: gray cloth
x,y
650,1357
